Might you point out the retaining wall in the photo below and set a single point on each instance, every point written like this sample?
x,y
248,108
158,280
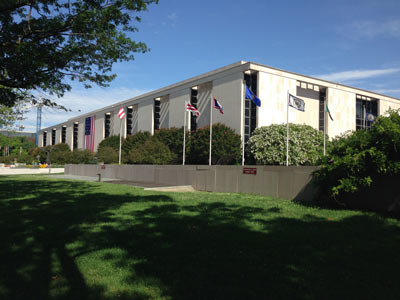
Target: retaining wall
x,y
275,181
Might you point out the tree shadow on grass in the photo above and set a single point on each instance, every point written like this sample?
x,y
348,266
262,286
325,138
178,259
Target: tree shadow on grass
x,y
215,254
197,250
38,219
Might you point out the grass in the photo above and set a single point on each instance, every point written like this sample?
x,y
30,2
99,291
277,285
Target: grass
x,y
79,240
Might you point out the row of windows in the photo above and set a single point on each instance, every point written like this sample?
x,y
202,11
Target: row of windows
x,y
53,136
366,112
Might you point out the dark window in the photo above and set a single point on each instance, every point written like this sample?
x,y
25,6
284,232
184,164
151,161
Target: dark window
x,y
193,117
366,112
63,134
75,136
129,121
250,108
107,125
53,137
44,139
156,114
322,97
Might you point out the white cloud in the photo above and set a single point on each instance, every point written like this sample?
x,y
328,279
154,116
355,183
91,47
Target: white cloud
x,y
369,29
388,91
356,74
80,101
172,16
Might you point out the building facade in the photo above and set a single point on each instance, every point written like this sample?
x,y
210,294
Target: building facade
x,y
351,108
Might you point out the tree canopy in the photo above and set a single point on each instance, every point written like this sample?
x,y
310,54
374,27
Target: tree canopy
x,y
45,42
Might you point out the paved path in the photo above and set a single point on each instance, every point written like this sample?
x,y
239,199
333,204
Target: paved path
x,y
26,171
145,185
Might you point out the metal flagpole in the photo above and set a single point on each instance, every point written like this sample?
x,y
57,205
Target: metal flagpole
x,y
287,131
211,120
365,117
243,119
184,135
325,112
120,142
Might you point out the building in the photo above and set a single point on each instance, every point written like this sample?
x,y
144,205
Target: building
x,y
165,107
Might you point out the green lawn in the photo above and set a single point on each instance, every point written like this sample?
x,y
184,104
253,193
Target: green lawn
x,y
78,240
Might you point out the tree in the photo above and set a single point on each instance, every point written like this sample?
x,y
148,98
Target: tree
x,y
45,42
268,145
225,145
364,166
152,151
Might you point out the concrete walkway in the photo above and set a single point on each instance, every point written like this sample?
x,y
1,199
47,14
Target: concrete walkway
x,y
144,185
29,171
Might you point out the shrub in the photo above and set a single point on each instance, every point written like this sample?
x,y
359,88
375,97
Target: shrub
x,y
133,141
59,154
111,141
38,152
226,146
24,158
80,157
363,165
152,151
173,138
268,145
108,155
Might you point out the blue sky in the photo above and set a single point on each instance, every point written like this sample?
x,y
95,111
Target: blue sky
x,y
352,42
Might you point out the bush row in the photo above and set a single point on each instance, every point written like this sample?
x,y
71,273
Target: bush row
x,y
166,147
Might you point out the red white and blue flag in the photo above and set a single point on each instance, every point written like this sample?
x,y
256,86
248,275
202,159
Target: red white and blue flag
x,y
218,105
190,107
89,133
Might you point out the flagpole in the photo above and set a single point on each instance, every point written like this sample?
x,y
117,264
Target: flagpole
x,y
184,135
243,119
211,120
287,130
120,142
325,112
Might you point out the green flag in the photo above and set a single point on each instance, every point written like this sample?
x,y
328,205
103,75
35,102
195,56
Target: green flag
x,y
327,110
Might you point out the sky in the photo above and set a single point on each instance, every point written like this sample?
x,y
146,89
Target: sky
x,y
353,42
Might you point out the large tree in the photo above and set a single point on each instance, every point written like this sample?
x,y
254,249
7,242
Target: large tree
x,y
43,43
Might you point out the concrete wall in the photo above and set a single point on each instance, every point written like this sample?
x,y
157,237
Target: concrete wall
x,y
274,181
228,91
272,90
342,105
177,107
146,116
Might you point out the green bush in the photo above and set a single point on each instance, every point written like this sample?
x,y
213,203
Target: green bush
x,y
226,146
80,157
111,141
35,152
133,141
173,138
268,145
152,151
363,165
59,153
108,155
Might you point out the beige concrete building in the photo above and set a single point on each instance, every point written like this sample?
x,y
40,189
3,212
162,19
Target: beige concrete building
x,y
351,108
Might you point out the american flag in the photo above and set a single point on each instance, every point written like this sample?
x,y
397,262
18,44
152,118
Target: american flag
x,y
190,107
89,133
218,105
121,113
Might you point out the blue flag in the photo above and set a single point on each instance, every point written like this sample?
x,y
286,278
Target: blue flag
x,y
250,95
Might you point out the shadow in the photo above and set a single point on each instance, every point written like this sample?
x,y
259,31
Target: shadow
x,y
63,245
39,220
